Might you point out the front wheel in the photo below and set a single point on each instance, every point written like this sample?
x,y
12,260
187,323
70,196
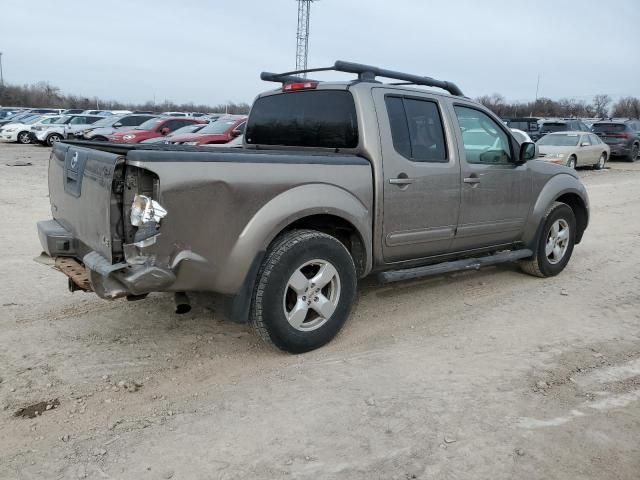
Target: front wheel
x,y
601,162
305,290
53,139
24,138
555,244
572,162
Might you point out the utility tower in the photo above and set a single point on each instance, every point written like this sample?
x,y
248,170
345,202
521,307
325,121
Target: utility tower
x,y
302,35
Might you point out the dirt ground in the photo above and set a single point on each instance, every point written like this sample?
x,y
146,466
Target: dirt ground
x,y
482,375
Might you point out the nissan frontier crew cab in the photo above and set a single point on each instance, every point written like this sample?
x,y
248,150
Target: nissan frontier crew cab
x,y
335,181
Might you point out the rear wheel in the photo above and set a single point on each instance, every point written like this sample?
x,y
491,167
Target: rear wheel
x,y
601,162
24,138
53,139
556,242
634,153
306,288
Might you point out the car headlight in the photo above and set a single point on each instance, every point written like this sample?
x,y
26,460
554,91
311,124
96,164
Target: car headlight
x,y
9,130
129,137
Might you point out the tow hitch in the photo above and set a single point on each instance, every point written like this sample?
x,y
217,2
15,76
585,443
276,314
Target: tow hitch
x,y
78,278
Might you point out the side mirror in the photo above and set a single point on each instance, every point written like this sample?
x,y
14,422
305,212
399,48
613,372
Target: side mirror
x,y
117,125
528,151
164,131
235,133
585,144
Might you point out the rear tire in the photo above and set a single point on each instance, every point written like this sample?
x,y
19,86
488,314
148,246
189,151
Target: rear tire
x,y
634,153
556,242
601,162
24,138
305,290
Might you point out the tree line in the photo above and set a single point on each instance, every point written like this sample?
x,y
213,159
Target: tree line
x,y
45,95
601,106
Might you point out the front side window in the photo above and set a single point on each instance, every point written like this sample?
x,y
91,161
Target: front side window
x,y
484,141
416,129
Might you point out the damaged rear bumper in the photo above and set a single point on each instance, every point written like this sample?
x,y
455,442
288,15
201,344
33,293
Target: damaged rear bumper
x,y
108,280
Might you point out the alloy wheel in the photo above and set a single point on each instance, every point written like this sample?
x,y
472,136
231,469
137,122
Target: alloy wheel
x,y
557,241
311,295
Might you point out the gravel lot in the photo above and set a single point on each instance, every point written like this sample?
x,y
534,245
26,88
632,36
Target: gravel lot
x,y
482,375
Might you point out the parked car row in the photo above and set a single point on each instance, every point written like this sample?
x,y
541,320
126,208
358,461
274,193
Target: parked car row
x,y
621,135
48,128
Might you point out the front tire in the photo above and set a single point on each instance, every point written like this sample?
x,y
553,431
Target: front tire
x,y
24,138
572,162
53,139
305,290
556,242
601,162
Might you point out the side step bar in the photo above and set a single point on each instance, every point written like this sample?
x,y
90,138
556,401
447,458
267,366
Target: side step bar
x,y
455,266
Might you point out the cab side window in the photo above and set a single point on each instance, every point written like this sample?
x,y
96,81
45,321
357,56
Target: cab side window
x,y
484,141
416,129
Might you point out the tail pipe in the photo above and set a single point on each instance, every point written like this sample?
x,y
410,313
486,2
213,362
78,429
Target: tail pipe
x,y
183,305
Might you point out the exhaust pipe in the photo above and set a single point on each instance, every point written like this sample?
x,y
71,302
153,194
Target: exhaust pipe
x,y
182,303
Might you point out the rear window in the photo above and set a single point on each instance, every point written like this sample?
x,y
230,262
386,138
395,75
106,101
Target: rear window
x,y
554,126
319,118
609,127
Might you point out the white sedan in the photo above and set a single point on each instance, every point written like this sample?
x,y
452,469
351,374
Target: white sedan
x,y
21,132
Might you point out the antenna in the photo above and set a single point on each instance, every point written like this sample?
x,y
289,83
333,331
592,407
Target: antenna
x,y
302,34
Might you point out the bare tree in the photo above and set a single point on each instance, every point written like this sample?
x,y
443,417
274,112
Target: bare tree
x,y
627,107
601,105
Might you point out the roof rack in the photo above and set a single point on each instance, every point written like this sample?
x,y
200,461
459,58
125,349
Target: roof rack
x,y
366,73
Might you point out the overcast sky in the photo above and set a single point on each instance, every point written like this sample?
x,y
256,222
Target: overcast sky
x,y
211,51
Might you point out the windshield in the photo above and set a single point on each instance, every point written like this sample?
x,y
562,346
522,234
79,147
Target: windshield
x,y
560,140
609,127
63,120
150,124
219,126
312,118
32,120
187,129
106,122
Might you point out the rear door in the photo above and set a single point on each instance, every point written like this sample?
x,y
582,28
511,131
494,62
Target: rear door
x,y
80,193
496,193
421,175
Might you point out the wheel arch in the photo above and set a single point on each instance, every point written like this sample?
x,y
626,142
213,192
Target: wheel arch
x,y
341,214
563,188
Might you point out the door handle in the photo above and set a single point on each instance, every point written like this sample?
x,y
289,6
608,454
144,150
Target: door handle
x,y
401,181
471,180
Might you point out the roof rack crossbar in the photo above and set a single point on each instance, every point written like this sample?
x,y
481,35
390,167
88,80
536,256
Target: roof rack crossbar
x,y
282,78
365,73
358,68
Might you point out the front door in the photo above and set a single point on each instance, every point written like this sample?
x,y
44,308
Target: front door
x,y
421,176
496,192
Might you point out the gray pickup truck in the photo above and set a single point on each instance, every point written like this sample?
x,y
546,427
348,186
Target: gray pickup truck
x,y
335,181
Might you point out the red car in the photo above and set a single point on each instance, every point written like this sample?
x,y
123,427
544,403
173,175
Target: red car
x,y
156,127
222,130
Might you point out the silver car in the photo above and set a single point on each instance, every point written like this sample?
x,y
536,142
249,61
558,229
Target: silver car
x,y
574,149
